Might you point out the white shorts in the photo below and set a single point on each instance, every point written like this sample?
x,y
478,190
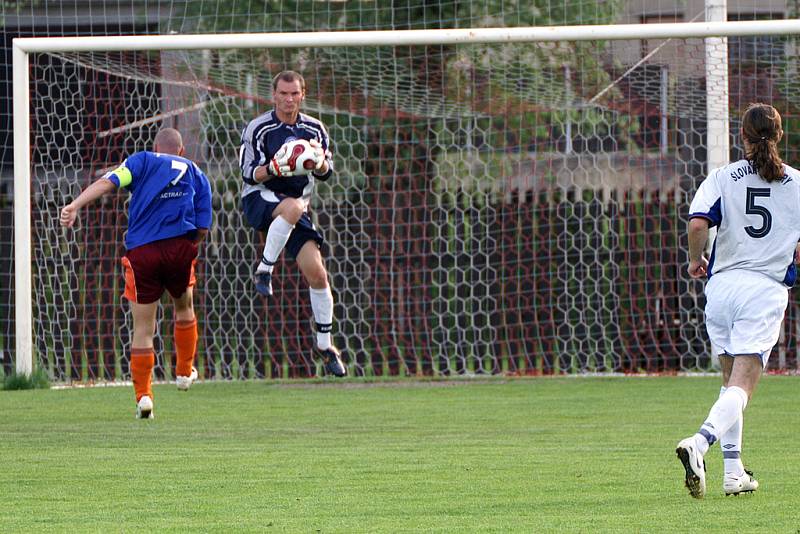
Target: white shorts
x,y
744,312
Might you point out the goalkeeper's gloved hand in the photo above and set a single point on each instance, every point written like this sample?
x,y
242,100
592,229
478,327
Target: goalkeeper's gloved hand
x,y
279,164
319,154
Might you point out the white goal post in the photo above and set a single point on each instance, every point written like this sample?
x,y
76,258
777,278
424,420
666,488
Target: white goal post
x,y
22,47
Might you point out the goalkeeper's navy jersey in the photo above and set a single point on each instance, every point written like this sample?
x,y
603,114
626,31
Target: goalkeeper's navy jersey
x,y
263,137
758,221
170,197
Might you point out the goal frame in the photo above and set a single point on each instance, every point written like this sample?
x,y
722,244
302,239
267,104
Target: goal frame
x,y
23,47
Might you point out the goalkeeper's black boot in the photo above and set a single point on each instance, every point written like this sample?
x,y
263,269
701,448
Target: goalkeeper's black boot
x,y
264,283
332,360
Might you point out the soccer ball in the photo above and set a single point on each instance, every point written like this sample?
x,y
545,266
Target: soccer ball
x,y
300,155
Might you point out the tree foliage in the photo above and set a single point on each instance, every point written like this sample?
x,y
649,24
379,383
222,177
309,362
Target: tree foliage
x,y
503,89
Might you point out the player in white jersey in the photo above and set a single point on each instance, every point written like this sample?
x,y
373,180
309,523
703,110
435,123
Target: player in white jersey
x,y
755,205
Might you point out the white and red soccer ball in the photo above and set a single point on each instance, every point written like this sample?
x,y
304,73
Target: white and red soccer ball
x,y
300,154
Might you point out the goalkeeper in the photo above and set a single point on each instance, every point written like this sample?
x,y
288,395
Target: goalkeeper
x,y
168,215
275,199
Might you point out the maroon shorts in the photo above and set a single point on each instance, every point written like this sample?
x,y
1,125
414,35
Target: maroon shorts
x,y
152,268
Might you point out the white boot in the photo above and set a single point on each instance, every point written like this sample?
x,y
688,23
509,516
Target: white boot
x,y
735,484
185,382
695,467
144,408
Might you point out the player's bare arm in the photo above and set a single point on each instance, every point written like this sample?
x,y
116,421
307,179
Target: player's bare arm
x,y
698,236
261,174
69,213
200,234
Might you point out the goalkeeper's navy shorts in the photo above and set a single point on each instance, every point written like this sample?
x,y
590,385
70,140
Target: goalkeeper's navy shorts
x,y
258,213
153,267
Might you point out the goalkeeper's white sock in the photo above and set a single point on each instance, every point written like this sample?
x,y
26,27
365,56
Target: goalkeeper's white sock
x,y
279,231
723,415
322,305
731,444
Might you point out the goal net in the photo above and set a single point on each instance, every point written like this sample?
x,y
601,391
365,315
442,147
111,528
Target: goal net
x,y
514,207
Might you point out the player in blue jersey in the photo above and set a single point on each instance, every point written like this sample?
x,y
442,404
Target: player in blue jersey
x,y
169,213
755,204
275,201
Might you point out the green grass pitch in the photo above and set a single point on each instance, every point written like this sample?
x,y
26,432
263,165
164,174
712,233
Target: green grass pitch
x,y
524,455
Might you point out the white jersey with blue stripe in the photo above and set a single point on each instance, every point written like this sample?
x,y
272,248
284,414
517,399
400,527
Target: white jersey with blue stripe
x,y
758,222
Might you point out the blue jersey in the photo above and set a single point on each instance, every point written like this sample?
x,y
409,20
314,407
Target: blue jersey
x,y
170,197
263,137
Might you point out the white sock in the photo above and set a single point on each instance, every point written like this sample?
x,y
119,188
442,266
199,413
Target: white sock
x,y
277,236
322,305
731,444
723,415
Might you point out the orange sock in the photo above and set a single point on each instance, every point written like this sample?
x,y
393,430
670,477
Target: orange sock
x,y
142,361
185,346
